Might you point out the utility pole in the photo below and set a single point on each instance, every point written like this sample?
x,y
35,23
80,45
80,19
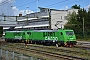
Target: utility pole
x,y
27,15
36,15
4,18
83,27
49,19
37,5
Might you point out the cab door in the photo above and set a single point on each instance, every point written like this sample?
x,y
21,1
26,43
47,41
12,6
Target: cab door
x,y
28,36
61,36
23,37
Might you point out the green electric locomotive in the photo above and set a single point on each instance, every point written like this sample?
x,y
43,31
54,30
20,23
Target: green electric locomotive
x,y
56,37
16,36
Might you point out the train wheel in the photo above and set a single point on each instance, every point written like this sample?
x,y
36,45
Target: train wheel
x,y
22,41
30,42
71,45
65,45
59,44
5,40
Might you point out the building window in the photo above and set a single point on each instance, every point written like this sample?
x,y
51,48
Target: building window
x,y
65,17
61,17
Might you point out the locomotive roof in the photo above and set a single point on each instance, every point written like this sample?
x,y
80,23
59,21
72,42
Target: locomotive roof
x,y
14,31
45,30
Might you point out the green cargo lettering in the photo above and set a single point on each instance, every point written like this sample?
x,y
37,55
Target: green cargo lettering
x,y
51,38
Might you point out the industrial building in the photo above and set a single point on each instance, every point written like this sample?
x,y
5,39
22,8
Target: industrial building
x,y
45,19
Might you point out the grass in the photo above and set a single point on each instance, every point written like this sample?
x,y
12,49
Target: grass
x,y
84,39
18,47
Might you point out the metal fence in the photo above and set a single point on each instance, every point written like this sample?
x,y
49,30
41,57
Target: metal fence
x,y
8,55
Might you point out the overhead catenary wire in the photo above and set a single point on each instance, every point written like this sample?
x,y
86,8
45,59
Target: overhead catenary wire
x,y
27,3
61,5
7,1
57,4
54,4
4,2
45,6
69,3
61,2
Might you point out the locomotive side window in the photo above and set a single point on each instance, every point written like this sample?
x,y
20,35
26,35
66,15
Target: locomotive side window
x,y
29,33
43,34
23,33
61,33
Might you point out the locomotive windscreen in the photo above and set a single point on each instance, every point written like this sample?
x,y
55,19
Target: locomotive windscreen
x,y
69,33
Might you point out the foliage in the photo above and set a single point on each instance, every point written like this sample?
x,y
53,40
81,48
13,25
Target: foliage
x,y
75,6
73,17
75,22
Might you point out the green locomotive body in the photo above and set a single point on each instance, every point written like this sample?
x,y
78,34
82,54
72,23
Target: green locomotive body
x,y
59,37
13,36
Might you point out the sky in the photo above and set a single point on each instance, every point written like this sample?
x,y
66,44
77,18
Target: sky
x,y
15,7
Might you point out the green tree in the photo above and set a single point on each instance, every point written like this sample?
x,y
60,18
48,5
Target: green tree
x,y
75,6
75,22
72,18
87,23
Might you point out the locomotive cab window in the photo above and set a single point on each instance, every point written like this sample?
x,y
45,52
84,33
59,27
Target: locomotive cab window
x,y
69,33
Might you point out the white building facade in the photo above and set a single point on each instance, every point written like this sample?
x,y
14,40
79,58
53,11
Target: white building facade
x,y
45,19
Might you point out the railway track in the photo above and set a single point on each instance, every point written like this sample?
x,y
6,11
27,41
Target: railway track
x,y
83,45
66,50
64,53
54,54
63,56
